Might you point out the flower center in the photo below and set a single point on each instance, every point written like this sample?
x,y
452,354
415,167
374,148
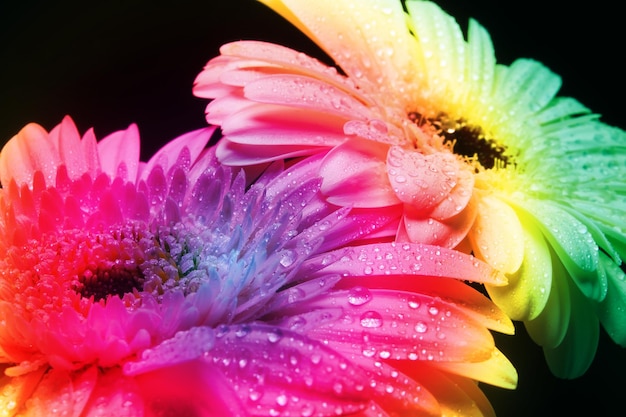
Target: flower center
x,y
101,282
465,139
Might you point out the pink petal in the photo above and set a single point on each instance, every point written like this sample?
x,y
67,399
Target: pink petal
x,y
289,59
119,153
184,150
268,124
278,370
449,233
474,304
390,259
305,92
236,154
427,181
354,174
114,395
400,325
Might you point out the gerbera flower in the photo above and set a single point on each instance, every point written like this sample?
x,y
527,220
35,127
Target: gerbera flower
x,y
478,156
172,288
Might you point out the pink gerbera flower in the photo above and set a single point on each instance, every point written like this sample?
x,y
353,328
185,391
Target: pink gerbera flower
x,y
172,288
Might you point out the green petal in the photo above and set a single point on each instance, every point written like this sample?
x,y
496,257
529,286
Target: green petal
x,y
612,310
527,292
549,328
527,86
574,245
574,355
560,108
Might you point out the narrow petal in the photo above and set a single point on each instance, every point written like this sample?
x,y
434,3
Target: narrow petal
x,y
389,259
573,244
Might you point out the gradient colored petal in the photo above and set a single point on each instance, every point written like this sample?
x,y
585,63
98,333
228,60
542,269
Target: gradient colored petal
x,y
347,176
497,236
526,295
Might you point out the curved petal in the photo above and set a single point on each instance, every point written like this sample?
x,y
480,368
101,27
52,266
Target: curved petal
x,y
448,233
611,309
119,153
27,152
497,236
354,174
424,181
549,327
574,355
525,297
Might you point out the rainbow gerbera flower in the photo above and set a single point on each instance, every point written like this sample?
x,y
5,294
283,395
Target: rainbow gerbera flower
x,y
477,156
173,288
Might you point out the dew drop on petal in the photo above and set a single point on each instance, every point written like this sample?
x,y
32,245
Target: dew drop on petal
x,y
281,400
358,296
371,319
421,327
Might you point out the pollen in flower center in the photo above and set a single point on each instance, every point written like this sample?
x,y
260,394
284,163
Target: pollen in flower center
x,y
465,139
101,282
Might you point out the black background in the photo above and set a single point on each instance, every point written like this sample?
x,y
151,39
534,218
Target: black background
x,y
108,64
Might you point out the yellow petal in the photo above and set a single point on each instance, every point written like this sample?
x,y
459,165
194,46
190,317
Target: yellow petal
x,y
528,290
497,235
497,370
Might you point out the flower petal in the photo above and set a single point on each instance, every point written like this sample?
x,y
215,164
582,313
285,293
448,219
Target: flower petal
x,y
26,153
435,183
574,355
497,236
574,245
62,392
525,297
119,153
549,327
361,39
610,310
16,390
354,174
411,259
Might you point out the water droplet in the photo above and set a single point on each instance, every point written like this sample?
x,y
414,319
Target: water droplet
x,y
287,258
274,336
281,400
433,310
413,304
358,296
421,327
371,319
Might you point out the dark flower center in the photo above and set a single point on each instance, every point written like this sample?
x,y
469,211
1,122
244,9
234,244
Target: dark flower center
x,y
115,280
466,140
